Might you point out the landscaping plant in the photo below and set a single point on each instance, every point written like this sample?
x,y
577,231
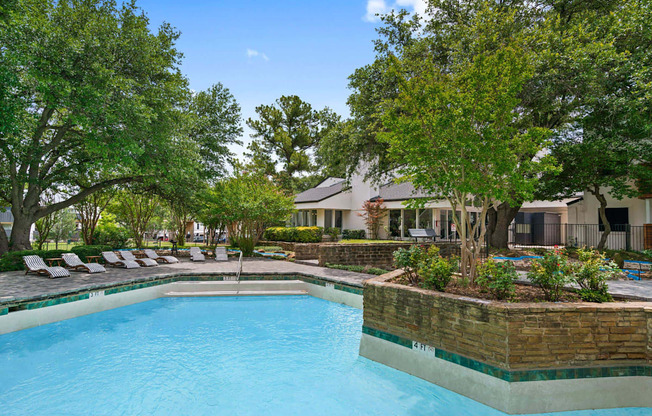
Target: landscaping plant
x,y
436,270
333,232
551,273
353,235
373,213
497,278
410,259
591,275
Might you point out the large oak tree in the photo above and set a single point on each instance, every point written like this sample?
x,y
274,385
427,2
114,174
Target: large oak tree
x,y
88,91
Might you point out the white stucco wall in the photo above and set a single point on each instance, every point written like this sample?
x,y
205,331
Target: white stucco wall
x,y
586,211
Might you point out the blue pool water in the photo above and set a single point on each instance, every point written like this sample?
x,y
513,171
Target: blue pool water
x,y
215,356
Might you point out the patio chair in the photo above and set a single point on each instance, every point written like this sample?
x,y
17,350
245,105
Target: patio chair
x,y
112,260
165,259
129,256
35,264
220,254
74,262
196,254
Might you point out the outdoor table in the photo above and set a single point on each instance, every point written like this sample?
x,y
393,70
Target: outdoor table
x,y
58,260
90,259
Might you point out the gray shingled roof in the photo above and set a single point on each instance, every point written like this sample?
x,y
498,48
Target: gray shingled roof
x,y
319,193
399,192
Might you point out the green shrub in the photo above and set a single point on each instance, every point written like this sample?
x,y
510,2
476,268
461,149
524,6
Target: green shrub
x,y
435,270
409,259
245,244
551,273
309,234
83,251
353,234
497,278
294,234
591,275
333,232
13,260
111,235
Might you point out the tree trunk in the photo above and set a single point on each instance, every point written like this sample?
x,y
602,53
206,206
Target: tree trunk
x,y
20,230
500,219
4,241
603,215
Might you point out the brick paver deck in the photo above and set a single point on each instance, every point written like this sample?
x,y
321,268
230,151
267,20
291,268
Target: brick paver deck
x,y
18,286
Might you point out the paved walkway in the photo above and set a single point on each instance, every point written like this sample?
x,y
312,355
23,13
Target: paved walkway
x,y
17,286
629,289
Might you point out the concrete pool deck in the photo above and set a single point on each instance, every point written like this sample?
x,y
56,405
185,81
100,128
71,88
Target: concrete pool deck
x,y
16,286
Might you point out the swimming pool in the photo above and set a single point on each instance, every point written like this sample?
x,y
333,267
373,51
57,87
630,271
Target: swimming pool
x,y
295,355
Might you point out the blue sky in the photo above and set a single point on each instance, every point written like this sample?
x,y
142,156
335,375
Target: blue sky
x,y
262,49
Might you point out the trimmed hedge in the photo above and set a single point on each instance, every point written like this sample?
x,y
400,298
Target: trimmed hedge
x,y
294,234
353,235
13,260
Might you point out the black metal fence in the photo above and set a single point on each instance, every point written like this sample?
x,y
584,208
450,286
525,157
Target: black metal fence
x,y
622,237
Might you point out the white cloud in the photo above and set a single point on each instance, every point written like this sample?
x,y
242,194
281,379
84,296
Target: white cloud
x,y
375,7
252,53
381,7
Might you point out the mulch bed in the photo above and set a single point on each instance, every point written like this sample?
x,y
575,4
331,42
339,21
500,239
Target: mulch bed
x,y
523,293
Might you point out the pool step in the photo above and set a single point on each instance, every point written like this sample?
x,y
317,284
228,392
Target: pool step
x,y
244,288
239,293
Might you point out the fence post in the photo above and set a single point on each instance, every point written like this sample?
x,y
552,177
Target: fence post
x,y
628,237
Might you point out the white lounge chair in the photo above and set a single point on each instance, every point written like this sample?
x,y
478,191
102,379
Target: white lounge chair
x,y
196,254
129,256
165,259
220,254
35,264
112,260
74,262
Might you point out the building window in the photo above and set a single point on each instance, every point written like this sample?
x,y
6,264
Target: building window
x,y
328,218
409,220
618,219
313,218
395,222
448,229
338,219
425,218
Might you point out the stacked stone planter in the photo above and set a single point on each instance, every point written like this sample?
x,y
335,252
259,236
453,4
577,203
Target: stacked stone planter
x,y
519,358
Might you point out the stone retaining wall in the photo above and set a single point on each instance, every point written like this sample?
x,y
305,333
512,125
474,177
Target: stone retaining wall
x,y
513,337
373,255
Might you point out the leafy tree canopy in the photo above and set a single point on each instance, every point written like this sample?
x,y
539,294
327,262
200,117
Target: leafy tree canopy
x,y
286,133
92,98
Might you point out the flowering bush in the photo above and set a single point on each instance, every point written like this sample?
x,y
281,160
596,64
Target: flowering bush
x,y
591,275
551,273
497,278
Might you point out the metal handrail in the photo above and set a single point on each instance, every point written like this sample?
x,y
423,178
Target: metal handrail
x,y
237,275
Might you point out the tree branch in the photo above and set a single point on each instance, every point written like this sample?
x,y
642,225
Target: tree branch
x,y
43,211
